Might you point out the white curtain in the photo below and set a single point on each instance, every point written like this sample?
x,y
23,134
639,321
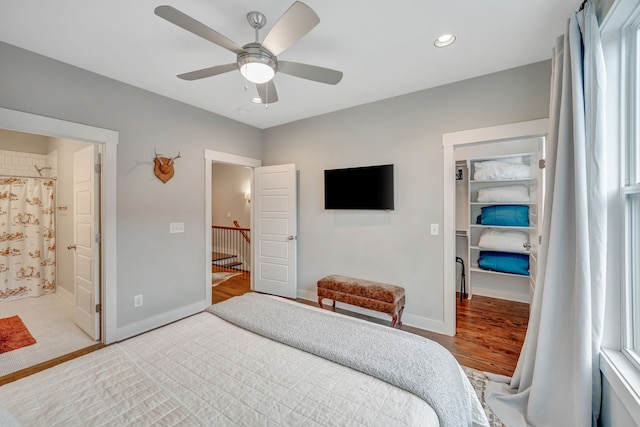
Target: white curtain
x,y
557,379
27,238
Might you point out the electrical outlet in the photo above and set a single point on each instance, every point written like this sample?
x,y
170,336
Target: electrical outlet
x,y
137,301
435,229
176,227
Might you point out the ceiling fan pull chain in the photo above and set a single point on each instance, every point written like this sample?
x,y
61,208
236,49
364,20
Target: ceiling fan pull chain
x,y
266,101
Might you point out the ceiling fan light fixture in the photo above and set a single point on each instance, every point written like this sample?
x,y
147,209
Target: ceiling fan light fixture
x,y
445,40
257,72
256,64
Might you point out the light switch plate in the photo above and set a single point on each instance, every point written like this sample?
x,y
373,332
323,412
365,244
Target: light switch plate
x,y
435,229
176,227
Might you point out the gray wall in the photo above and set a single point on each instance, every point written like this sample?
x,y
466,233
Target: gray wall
x,y
391,247
166,268
229,183
395,247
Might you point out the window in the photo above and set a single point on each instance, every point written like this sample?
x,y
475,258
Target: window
x,y
630,190
632,266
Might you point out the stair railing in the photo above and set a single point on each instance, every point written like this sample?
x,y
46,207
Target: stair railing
x,y
242,231
231,248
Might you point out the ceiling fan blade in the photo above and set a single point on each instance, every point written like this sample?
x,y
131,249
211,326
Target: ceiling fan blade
x,y
294,24
208,72
196,27
267,92
310,72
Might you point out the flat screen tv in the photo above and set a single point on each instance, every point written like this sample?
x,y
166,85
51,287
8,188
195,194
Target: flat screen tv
x,y
369,187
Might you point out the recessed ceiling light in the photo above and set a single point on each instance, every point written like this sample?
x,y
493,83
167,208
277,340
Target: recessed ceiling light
x,y
445,40
256,100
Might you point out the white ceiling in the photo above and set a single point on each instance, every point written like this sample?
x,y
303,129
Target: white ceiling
x,y
384,48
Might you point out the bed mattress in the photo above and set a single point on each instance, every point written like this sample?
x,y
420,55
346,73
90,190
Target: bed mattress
x,y
204,371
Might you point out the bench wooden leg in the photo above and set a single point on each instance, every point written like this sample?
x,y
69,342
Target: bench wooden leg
x,y
397,318
320,302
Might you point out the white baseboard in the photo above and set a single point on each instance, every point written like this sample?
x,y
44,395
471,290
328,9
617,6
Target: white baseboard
x,y
65,295
159,320
408,319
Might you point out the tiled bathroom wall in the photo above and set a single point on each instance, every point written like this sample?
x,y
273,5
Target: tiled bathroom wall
x,y
23,164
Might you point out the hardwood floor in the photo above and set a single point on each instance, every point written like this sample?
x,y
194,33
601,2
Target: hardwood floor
x,y
233,287
489,331
48,364
489,334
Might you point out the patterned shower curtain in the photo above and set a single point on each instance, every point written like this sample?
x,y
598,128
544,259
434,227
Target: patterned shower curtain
x,y
27,237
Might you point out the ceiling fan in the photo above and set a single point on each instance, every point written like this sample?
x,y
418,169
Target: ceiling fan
x,y
257,61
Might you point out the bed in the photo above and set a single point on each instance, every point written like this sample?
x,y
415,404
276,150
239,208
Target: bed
x,y
208,371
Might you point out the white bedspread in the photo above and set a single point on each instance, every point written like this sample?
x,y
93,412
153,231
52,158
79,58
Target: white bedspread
x,y
205,371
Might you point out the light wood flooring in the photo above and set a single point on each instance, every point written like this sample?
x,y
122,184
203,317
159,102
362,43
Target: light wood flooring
x,y
489,331
48,364
233,287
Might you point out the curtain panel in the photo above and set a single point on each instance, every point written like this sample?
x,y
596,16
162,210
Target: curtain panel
x,y
27,237
557,378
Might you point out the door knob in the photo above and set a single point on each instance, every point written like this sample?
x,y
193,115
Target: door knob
x,y
291,238
71,247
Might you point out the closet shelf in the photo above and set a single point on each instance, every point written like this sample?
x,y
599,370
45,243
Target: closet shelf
x,y
501,203
500,227
476,269
497,181
478,248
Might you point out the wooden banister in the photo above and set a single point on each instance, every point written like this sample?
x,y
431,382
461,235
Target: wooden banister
x,y
243,231
220,227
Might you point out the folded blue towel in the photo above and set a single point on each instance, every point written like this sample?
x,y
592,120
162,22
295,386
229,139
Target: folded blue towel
x,y
504,262
506,215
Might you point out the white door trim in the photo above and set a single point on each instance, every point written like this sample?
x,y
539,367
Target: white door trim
x,y
451,141
41,125
211,157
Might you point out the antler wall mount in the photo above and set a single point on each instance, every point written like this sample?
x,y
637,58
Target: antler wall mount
x,y
163,166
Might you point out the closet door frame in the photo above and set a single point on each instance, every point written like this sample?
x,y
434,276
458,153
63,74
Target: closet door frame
x,y
450,142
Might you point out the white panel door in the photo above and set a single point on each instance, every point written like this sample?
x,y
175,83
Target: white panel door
x,y
85,209
275,213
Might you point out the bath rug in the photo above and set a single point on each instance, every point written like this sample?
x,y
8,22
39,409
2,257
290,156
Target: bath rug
x,y
14,334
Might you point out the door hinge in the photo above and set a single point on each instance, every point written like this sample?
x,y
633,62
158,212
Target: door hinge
x,y
98,238
539,240
98,308
98,167
542,163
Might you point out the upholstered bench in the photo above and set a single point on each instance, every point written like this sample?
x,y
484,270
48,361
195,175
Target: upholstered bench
x,y
363,293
